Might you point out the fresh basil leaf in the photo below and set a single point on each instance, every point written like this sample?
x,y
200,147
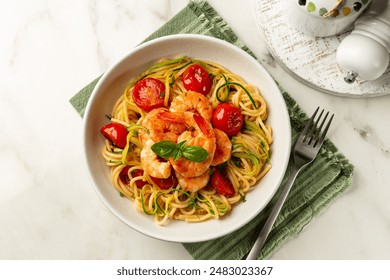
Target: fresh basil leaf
x,y
181,145
177,154
165,149
195,153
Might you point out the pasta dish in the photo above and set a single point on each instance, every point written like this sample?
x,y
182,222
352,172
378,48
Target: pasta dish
x,y
187,140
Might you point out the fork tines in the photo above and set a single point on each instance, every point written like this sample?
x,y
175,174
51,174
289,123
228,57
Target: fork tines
x,y
312,130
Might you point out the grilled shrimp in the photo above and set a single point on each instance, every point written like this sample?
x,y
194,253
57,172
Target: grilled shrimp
x,y
193,184
152,164
224,147
192,101
198,133
158,129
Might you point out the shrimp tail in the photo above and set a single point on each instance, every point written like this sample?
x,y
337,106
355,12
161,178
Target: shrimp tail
x,y
203,126
171,117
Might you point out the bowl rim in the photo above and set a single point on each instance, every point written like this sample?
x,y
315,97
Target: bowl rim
x,y
105,77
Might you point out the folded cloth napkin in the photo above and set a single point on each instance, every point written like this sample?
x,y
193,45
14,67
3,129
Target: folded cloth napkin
x,y
314,189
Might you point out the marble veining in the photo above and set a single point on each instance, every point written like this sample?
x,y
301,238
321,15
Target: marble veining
x,y
48,209
368,135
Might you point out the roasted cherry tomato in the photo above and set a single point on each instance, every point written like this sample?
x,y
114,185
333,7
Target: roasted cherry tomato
x,y
165,184
221,183
116,134
124,176
228,118
149,94
196,78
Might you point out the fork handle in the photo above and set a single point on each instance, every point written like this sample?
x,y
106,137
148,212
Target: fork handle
x,y
255,251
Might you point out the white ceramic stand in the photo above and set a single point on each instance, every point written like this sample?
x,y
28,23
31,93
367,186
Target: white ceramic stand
x,y
310,59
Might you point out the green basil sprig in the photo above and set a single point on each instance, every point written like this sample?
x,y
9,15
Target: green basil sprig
x,y
167,149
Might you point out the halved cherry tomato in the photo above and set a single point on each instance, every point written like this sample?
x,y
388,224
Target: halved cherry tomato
x,y
116,134
196,78
228,118
165,184
124,176
149,94
221,183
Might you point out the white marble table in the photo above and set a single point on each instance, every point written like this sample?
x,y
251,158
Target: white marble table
x,y
48,209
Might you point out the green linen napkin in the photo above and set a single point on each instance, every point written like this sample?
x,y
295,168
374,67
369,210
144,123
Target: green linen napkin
x,y
315,188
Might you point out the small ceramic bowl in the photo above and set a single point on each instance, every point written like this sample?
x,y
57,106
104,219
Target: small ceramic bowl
x,y
322,18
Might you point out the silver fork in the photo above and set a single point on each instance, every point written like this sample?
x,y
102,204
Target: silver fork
x,y
304,152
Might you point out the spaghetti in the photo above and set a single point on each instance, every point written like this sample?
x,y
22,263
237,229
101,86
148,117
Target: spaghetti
x,y
248,161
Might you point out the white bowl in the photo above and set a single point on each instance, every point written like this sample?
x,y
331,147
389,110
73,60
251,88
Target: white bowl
x,y
111,86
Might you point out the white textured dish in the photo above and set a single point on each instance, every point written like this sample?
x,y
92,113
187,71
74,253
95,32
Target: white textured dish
x,y
309,59
111,86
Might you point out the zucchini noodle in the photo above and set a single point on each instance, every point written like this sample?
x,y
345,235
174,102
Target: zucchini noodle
x,y
250,154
